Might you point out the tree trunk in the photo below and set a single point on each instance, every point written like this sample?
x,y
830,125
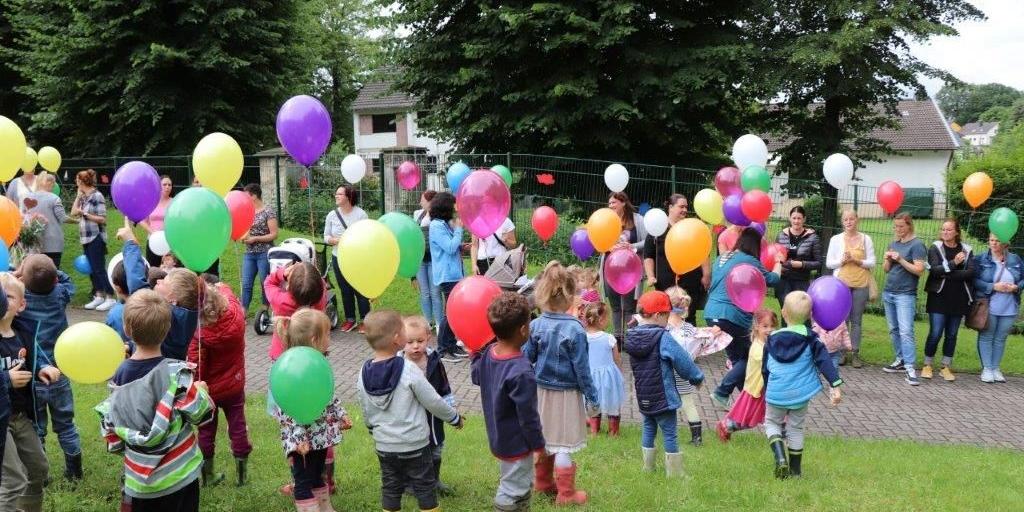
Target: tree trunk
x,y
832,141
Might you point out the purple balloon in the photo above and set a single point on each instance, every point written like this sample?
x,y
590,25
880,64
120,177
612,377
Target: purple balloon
x,y
136,190
759,226
733,212
580,244
304,128
831,301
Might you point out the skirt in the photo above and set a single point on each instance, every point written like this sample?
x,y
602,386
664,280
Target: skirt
x,y
747,412
563,419
611,390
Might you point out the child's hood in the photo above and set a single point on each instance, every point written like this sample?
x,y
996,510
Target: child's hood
x,y
786,345
643,339
380,379
134,406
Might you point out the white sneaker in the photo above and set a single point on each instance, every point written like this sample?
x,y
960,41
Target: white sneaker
x,y
96,301
998,375
106,305
986,376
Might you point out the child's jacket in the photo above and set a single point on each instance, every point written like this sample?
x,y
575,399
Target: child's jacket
x,y
221,364
654,356
323,433
437,376
183,320
508,395
21,349
45,314
282,304
793,358
753,381
560,354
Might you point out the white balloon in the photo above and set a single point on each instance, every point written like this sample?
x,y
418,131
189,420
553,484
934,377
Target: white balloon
x,y
838,170
353,168
616,177
656,222
118,258
158,243
749,150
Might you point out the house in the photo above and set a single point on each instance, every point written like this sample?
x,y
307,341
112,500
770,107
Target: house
x,y
385,120
979,134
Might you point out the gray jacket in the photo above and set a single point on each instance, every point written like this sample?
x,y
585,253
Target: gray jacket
x,y
49,206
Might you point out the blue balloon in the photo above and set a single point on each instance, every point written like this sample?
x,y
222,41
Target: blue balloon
x,y
644,207
82,264
456,173
5,258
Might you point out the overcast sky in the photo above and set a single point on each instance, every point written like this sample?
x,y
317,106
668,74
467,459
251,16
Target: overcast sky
x,y
985,51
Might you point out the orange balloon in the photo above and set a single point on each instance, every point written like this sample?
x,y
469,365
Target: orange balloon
x,y
10,221
977,189
687,245
603,229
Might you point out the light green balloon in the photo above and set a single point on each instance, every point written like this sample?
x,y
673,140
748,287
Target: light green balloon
x,y
504,172
411,244
1003,223
198,227
302,384
756,177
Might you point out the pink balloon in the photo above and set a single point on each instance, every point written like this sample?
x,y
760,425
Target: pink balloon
x,y
483,202
408,175
746,287
622,270
727,181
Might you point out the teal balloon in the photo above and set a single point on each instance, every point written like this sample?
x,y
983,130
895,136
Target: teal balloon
x,y
302,384
756,177
456,173
411,244
504,172
197,226
1003,223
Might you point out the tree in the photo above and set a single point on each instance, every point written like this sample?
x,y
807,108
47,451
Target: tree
x,y
965,103
1004,163
1008,116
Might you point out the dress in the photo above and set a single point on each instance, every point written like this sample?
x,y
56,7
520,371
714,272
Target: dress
x,y
605,373
684,334
748,411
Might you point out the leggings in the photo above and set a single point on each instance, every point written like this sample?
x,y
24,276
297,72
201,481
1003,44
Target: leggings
x,y
860,301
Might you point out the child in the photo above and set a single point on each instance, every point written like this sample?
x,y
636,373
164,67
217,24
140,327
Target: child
x,y
748,411
168,262
683,332
836,341
48,292
417,350
306,445
396,397
559,351
654,355
151,413
218,350
24,463
5,386
508,395
792,359
604,360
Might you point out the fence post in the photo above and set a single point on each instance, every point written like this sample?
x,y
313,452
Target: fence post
x,y
856,197
380,170
673,179
277,184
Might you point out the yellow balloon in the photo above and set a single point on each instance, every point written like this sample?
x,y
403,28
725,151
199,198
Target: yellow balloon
x,y
368,257
708,204
12,149
49,158
977,189
687,245
89,352
603,229
217,161
31,159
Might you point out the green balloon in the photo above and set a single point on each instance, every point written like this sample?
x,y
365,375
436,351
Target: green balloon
x,y
198,227
302,384
56,188
411,245
1003,223
756,177
504,172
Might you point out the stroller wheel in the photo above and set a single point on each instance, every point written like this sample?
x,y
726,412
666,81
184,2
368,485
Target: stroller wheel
x,y
262,323
332,312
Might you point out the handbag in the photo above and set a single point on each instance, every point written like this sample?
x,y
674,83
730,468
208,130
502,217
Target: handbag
x,y
977,317
872,289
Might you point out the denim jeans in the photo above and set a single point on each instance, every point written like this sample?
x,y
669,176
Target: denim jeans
x,y
430,295
96,252
899,314
666,421
409,469
57,400
992,341
937,324
349,296
445,336
737,351
253,264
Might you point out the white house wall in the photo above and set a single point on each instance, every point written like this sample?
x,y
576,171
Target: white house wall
x,y
373,143
919,169
415,139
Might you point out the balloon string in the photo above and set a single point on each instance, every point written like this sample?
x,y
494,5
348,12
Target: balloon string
x,y
199,328
309,199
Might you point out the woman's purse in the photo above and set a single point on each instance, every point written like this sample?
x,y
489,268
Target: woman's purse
x,y
977,317
872,288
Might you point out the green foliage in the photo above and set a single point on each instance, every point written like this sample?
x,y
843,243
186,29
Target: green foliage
x,y
1007,116
815,206
1004,162
966,103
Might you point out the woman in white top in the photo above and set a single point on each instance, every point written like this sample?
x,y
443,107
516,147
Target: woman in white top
x,y
483,251
19,188
852,255
430,294
338,220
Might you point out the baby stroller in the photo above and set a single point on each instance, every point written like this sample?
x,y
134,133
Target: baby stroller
x,y
509,272
299,250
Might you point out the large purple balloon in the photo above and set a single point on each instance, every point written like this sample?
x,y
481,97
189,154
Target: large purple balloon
x,y
759,226
136,190
622,270
831,301
483,202
580,244
733,212
304,128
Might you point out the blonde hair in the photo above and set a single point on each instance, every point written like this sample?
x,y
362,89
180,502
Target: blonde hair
x,y
760,315
185,287
797,307
678,298
594,314
417,323
147,318
9,282
556,289
584,277
381,327
849,211
213,306
305,328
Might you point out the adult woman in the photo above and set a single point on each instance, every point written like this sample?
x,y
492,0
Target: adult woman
x,y
852,255
430,293
346,213
660,274
155,221
257,242
949,295
483,251
445,239
903,265
999,278
90,210
47,205
632,238
804,254
19,188
721,312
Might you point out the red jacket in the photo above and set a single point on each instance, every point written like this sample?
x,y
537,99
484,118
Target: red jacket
x,y
222,365
283,304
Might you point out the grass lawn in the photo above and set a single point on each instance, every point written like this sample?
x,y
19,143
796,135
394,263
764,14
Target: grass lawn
x,y
840,474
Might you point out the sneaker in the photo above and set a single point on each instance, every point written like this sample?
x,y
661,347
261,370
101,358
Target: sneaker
x,y
723,431
986,376
897,366
926,371
96,301
348,326
360,328
947,374
998,376
449,357
460,352
106,305
913,380
721,402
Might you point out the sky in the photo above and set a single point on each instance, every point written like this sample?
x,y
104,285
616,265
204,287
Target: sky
x,y
985,51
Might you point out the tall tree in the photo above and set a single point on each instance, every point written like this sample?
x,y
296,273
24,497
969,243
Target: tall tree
x,y
965,103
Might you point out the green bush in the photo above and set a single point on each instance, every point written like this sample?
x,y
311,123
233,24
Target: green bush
x,y
815,207
1004,163
321,196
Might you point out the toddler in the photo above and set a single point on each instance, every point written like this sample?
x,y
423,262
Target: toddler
x,y
748,411
836,341
604,359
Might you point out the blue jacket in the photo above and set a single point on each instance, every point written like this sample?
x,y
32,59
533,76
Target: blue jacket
x,y
654,355
445,252
985,273
719,305
183,320
560,354
47,313
792,359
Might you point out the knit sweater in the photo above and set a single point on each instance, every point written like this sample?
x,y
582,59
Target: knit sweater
x,y
508,395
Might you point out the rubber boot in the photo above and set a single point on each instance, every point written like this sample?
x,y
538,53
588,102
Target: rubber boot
x,y
543,479
673,465
795,457
309,505
565,480
613,426
209,477
73,467
323,499
857,361
595,424
648,458
242,469
695,433
778,447
328,476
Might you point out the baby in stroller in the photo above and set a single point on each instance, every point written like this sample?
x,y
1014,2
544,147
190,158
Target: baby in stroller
x,y
509,272
298,250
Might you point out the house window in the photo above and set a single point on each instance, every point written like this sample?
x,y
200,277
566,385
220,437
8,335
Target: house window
x,y
383,123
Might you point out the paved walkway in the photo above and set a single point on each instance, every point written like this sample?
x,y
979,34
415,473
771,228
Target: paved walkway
x,y
875,404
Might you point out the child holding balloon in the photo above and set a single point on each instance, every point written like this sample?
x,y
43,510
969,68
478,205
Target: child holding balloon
x,y
604,360
748,411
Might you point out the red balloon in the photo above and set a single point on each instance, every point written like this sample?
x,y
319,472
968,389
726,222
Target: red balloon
x,y
727,240
768,252
756,206
890,196
727,181
242,211
545,222
467,310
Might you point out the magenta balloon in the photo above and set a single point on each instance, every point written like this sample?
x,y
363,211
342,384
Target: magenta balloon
x,y
831,301
483,202
746,287
580,244
622,270
408,175
727,181
304,128
136,190
733,210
